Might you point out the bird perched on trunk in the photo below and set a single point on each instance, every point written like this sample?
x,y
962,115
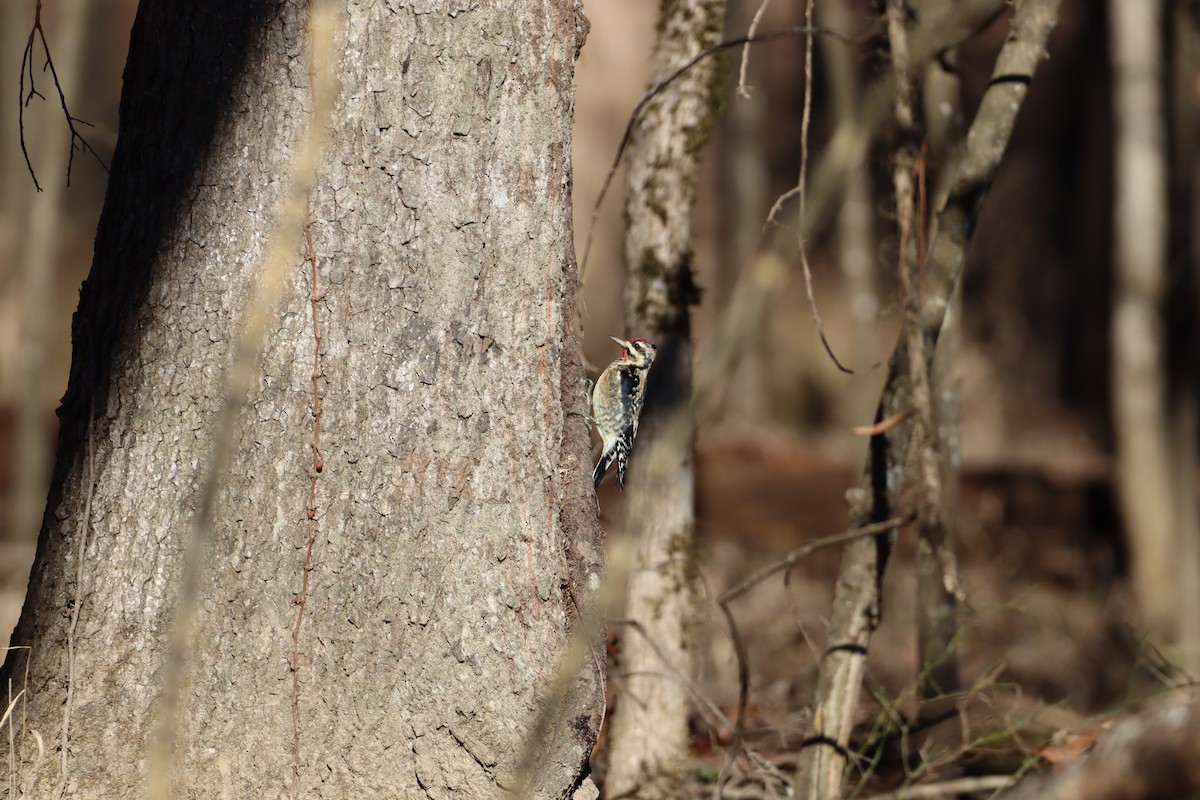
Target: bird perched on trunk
x,y
617,400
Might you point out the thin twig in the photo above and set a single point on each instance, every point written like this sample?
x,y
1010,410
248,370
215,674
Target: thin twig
x,y
777,206
77,140
882,426
742,91
804,550
802,192
7,720
982,783
9,716
731,594
655,90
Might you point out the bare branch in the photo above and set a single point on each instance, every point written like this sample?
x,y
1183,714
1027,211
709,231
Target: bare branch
x,y
742,90
986,141
739,648
856,599
983,783
26,96
636,116
807,549
802,191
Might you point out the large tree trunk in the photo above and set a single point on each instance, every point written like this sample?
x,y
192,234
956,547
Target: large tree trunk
x,y
452,507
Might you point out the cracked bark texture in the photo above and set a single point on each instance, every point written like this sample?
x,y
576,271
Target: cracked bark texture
x,y
649,728
454,505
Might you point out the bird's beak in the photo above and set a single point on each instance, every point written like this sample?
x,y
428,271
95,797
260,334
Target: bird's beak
x,y
622,342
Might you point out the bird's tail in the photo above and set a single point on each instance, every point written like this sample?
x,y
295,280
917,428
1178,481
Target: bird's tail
x,y
606,459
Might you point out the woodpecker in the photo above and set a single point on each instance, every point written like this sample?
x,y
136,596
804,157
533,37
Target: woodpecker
x,y
617,400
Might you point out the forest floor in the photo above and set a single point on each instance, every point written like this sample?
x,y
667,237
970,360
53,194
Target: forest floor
x,y
1046,653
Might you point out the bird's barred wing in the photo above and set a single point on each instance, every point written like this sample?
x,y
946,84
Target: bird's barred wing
x,y
632,392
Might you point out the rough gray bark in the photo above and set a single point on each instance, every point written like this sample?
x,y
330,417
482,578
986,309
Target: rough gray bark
x,y
856,240
649,727
452,510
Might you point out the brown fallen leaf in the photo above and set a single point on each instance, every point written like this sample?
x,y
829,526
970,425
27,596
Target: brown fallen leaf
x,y
885,424
1070,748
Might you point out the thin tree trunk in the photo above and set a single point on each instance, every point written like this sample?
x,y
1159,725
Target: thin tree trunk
x,y
444,475
936,610
856,603
937,567
649,728
1138,335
